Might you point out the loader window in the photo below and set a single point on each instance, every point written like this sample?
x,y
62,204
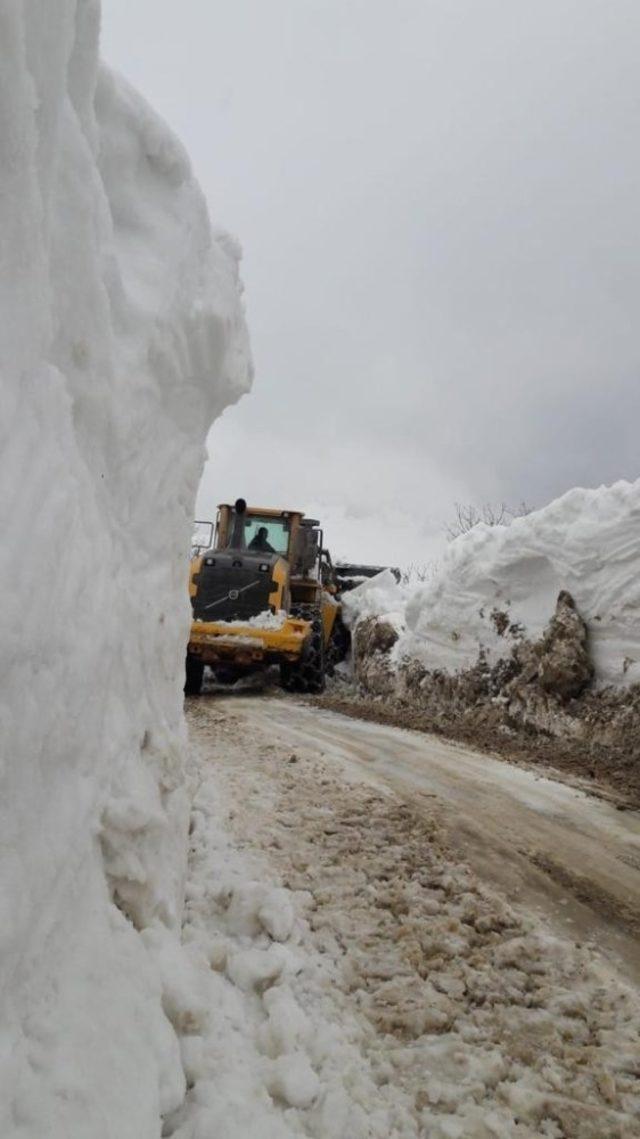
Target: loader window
x,y
202,537
275,539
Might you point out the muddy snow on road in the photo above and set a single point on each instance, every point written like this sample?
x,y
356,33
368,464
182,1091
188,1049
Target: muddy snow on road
x,y
388,953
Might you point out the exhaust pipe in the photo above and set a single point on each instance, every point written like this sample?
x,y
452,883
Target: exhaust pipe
x,y
238,541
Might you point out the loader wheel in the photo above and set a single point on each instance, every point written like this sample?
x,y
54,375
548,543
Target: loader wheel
x,y
194,673
308,674
339,645
226,675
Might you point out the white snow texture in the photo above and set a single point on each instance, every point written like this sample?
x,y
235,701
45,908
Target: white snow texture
x,y
587,541
122,336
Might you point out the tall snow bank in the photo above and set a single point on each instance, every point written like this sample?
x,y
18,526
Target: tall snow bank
x,y
121,337
496,585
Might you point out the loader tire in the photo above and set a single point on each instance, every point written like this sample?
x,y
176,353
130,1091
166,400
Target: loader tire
x,y
308,674
339,645
194,674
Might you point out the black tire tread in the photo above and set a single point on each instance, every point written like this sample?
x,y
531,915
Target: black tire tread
x,y
339,644
308,675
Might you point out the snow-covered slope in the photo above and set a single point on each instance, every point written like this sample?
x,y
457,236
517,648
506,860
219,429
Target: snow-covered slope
x,y
121,337
495,584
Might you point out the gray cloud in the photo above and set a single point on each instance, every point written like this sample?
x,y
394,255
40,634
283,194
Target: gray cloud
x,y
439,205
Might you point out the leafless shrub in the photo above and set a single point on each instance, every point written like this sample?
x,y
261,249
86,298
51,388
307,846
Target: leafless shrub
x,y
521,510
468,516
416,573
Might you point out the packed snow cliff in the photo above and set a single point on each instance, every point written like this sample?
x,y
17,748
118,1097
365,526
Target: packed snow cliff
x,y
122,337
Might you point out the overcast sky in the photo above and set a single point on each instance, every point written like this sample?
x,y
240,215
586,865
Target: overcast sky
x,y
439,205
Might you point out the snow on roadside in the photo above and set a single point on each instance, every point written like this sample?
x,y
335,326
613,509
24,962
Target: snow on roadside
x,y
266,1052
121,337
497,577
383,992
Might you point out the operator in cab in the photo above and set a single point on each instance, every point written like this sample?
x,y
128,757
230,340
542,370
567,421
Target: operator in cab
x,y
260,541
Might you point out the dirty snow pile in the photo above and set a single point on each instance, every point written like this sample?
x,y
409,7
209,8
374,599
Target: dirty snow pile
x,y
121,337
265,620
498,584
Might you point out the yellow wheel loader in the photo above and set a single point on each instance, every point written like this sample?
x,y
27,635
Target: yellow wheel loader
x,y
263,592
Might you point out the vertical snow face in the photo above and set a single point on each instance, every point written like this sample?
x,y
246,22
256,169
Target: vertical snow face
x,y
121,338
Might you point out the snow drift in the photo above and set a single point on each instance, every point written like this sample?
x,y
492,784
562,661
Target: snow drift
x,y
121,338
496,586
529,631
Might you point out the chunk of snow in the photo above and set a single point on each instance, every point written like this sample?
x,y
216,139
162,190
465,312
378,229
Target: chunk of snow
x,y
276,914
287,1025
294,1081
379,596
258,968
255,907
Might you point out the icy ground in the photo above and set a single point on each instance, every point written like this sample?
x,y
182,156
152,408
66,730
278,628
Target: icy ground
x,y
346,977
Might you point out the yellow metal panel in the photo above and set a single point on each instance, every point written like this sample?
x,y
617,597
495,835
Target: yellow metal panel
x,y
280,577
224,639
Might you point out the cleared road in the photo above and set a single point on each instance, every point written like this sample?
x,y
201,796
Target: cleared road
x,y
554,849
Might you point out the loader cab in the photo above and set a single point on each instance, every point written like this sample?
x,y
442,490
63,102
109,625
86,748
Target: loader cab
x,y
262,532
244,529
297,539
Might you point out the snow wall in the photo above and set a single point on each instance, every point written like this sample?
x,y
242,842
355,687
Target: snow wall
x,y
498,584
122,337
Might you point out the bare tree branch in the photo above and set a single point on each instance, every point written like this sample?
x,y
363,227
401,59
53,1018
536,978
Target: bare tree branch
x,y
468,516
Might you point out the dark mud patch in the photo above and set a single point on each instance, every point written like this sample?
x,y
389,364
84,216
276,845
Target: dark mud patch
x,y
610,772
